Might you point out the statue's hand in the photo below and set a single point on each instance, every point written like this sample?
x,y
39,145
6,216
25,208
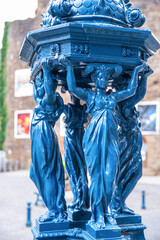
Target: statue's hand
x,y
64,60
46,64
89,69
148,72
141,67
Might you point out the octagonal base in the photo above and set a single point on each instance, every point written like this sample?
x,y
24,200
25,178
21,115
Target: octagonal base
x,y
89,42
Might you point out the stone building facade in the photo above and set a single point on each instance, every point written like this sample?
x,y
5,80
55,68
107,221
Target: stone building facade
x,y
150,9
18,150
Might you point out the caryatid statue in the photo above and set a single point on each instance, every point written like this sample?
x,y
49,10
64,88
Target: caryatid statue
x,y
46,169
100,141
75,118
93,49
130,145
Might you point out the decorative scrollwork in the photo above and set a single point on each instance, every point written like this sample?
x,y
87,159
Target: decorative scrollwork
x,y
55,50
128,52
81,48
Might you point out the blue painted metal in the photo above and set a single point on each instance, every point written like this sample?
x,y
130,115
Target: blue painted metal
x,y
130,144
102,162
109,232
79,215
116,12
131,225
143,199
93,50
89,42
28,222
75,117
46,169
71,234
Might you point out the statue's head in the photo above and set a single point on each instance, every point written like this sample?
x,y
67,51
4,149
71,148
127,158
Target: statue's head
x,y
39,84
100,77
99,74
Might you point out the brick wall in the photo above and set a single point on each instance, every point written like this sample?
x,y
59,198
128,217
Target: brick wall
x,y
150,8
19,149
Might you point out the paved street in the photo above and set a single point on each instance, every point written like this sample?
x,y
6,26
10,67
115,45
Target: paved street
x,y
16,189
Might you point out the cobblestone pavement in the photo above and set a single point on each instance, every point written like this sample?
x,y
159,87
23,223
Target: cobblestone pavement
x,y
16,189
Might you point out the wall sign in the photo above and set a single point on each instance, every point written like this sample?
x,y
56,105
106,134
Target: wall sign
x,y
22,122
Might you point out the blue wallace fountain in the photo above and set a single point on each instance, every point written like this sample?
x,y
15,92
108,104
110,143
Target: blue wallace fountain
x,y
94,50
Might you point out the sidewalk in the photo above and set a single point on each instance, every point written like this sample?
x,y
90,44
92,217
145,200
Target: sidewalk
x,y
153,180
16,189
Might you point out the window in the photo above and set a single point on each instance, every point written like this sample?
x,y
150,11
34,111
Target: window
x,y
22,86
149,117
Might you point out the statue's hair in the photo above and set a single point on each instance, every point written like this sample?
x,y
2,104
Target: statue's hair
x,y
95,70
98,70
39,76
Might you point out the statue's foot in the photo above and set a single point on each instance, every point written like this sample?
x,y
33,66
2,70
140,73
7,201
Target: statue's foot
x,y
75,205
48,216
100,223
61,217
127,210
91,222
110,219
115,212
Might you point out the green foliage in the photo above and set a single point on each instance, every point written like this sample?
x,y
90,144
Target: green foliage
x,y
3,87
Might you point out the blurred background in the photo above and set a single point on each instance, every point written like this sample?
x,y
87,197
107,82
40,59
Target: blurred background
x,y
17,18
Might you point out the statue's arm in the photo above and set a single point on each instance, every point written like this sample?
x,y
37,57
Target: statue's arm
x,y
142,88
35,94
49,84
139,95
72,86
132,87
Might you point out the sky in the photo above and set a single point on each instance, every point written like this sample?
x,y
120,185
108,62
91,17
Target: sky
x,y
11,10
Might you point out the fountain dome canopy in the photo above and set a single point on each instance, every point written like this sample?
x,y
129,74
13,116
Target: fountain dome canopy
x,y
116,12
